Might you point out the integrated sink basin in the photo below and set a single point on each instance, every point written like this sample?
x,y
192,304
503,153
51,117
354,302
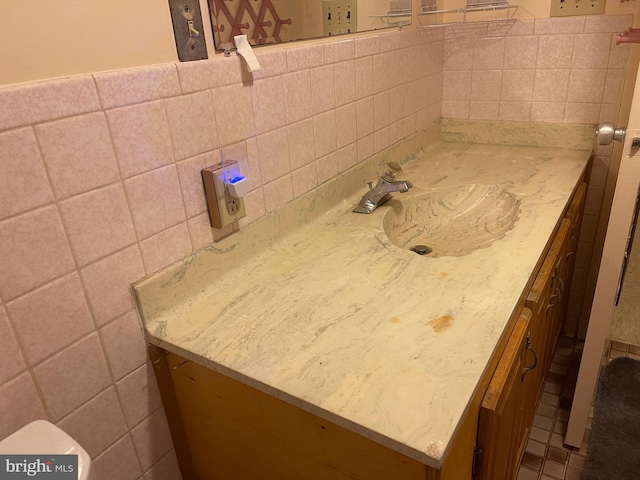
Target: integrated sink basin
x,y
451,221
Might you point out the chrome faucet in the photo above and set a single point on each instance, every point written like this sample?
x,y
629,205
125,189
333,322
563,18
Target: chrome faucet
x,y
379,194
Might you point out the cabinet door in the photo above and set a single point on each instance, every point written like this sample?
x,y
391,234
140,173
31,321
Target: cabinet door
x,y
501,430
560,285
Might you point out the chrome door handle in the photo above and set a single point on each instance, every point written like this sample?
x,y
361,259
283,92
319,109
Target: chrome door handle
x,y
607,133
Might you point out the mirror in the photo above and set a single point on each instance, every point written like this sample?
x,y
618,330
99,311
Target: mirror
x,y
276,21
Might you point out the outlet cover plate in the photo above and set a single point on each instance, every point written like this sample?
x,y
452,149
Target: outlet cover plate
x,y
223,208
568,8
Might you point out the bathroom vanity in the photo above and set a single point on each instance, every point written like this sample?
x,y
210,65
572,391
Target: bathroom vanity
x,y
315,344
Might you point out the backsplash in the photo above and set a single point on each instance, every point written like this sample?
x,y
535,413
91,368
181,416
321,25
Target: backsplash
x,y
100,186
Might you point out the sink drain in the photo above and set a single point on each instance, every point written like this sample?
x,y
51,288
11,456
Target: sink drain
x,y
421,249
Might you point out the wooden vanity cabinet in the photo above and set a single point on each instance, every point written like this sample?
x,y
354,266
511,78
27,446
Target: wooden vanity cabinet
x,y
224,429
502,431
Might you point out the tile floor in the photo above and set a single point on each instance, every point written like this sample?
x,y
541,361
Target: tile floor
x,y
545,456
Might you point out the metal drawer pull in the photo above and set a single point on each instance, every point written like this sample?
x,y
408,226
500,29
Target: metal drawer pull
x,y
561,284
526,370
569,256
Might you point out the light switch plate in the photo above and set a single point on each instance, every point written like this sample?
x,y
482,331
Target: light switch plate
x,y
339,16
188,29
567,8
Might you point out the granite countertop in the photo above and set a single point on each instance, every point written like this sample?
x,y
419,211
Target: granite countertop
x,y
314,305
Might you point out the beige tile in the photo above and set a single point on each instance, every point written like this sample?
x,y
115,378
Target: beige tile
x,y
108,283
483,110
517,85
233,108
272,63
73,376
304,57
536,448
366,147
118,461
297,95
78,153
545,26
458,54
539,435
50,318
514,111
327,167
521,52
488,53
455,109
381,72
346,123
456,85
392,41
14,107
607,23
167,468
98,223
200,230
409,126
273,149
139,394
277,193
614,86
19,404
347,157
36,231
325,133
396,104
381,139
23,180
551,85
381,110
155,200
526,474
619,53
553,469
166,247
301,143
125,87
339,51
96,424
323,95
205,74
486,85
411,101
304,179
13,361
125,344
268,105
140,137
582,113
396,133
366,46
364,77
152,439
254,206
192,124
247,154
587,85
608,112
555,51
189,173
591,50
411,59
396,69
365,117
53,99
344,75
547,112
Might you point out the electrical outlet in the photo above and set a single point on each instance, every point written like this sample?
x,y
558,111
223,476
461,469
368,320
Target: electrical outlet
x,y
566,8
223,207
339,16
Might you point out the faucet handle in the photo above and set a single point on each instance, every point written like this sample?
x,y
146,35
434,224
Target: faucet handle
x,y
391,171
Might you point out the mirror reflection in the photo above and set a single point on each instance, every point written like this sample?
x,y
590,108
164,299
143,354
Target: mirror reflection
x,y
276,21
